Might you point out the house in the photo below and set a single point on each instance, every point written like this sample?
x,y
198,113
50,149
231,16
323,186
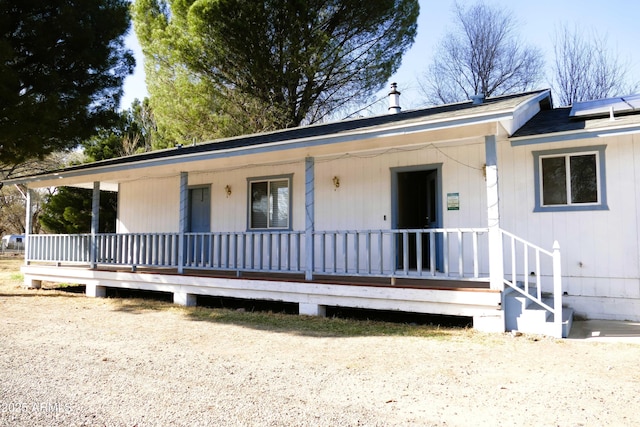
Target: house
x,y
451,210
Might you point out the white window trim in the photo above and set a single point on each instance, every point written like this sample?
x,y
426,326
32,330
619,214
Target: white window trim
x,y
267,179
601,204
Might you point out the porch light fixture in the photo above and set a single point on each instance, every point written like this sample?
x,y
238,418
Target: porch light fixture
x,y
227,189
336,182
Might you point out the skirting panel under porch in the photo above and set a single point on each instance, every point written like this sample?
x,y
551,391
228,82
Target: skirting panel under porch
x,y
484,305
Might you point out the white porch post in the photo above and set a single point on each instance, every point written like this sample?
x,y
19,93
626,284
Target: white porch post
x,y
496,263
309,208
95,222
184,200
28,226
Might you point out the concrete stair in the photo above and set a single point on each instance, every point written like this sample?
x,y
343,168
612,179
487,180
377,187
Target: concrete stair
x,y
526,316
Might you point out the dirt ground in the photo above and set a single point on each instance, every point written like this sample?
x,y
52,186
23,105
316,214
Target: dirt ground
x,y
66,359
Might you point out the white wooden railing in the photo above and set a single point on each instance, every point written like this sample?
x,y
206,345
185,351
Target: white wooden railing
x,y
443,253
459,253
436,252
533,271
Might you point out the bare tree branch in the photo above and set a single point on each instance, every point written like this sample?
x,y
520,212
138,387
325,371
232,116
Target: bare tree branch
x,y
483,55
586,68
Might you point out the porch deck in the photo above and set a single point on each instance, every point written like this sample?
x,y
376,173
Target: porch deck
x,y
397,281
471,298
436,271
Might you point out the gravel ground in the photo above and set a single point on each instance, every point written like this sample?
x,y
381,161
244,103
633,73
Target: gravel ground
x,y
68,360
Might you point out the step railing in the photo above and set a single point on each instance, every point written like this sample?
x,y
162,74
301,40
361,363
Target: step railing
x,y
537,270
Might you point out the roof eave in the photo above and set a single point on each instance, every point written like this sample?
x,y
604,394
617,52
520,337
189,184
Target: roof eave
x,y
376,132
574,135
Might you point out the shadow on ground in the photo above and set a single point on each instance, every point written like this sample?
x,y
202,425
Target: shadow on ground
x,y
283,317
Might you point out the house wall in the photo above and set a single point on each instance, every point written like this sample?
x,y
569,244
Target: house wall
x,y
600,249
229,213
363,201
364,198
149,205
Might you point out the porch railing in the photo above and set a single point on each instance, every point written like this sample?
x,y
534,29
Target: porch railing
x,y
444,253
456,253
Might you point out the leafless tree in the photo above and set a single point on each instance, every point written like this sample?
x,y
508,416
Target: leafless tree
x,y
586,68
12,198
482,55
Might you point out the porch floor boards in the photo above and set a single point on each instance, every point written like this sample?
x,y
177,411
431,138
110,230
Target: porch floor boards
x,y
400,282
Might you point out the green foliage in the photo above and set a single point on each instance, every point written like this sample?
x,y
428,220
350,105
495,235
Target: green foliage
x,y
130,134
62,65
69,211
225,67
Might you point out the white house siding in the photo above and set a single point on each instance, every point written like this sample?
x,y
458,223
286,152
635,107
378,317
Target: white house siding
x,y
364,197
149,205
363,201
600,249
229,213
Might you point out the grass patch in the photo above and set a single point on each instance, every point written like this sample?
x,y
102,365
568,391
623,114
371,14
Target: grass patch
x,y
284,322
318,326
139,305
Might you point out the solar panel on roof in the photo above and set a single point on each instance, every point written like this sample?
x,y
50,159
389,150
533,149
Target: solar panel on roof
x,y
601,107
633,100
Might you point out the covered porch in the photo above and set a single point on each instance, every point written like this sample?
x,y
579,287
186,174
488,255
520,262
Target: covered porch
x,y
343,226
435,271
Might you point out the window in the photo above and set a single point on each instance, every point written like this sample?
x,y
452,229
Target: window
x,y
270,202
570,179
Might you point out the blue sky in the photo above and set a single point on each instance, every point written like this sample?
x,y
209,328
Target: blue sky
x,y
537,21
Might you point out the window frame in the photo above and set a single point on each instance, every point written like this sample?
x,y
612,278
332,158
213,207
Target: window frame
x,y
268,180
567,153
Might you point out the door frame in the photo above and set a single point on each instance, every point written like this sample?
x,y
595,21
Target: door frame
x,y
189,205
395,208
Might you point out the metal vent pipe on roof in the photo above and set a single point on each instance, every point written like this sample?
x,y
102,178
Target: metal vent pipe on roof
x,y
394,99
477,99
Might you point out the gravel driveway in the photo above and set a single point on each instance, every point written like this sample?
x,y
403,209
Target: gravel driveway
x,y
68,360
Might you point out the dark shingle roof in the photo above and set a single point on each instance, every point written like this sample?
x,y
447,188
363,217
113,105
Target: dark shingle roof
x,y
549,121
558,120
444,112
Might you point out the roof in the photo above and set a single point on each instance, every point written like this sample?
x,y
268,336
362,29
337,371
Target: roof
x,y
453,114
560,124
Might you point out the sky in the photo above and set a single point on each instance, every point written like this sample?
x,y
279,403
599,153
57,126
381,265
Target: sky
x,y
537,21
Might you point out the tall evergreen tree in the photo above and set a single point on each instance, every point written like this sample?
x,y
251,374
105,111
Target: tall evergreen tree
x,y
62,65
237,66
68,209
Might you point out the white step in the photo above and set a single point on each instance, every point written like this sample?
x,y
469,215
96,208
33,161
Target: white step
x,y
526,316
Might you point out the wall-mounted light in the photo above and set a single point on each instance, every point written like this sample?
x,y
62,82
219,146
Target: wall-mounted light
x,y
227,189
336,182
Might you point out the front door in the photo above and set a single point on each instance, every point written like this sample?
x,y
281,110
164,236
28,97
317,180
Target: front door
x,y
199,210
417,208
199,222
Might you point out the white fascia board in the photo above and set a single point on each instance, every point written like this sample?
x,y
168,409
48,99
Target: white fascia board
x,y
574,135
360,134
523,113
